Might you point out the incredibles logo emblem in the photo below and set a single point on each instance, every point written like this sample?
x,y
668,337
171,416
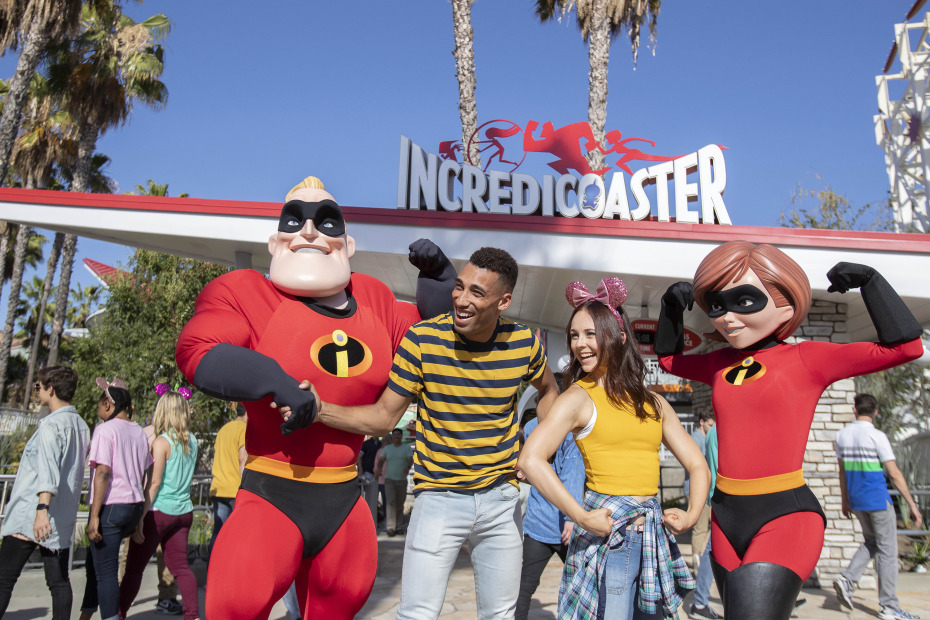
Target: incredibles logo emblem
x,y
340,355
745,372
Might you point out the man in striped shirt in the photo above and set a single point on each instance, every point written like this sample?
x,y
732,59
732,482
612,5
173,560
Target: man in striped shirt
x,y
464,369
862,451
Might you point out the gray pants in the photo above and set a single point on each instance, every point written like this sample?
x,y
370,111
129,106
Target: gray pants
x,y
879,527
396,496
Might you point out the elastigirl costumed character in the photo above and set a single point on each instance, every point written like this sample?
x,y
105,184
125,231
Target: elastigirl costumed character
x,y
298,514
767,527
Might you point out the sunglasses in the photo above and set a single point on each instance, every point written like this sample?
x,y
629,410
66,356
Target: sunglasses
x,y
37,386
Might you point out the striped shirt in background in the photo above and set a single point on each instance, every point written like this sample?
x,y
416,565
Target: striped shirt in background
x,y
862,448
466,423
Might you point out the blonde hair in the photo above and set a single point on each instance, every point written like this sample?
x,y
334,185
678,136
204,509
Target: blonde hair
x,y
308,183
173,418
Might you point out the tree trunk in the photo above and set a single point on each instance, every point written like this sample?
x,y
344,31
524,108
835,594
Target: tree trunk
x,y
34,44
69,248
87,140
598,57
4,248
40,317
465,72
16,281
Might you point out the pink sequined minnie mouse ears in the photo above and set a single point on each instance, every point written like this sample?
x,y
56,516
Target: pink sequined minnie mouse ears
x,y
611,291
163,388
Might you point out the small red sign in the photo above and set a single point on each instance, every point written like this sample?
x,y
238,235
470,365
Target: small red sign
x,y
645,332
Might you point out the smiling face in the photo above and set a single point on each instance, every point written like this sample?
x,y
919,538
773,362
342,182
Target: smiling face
x,y
744,312
478,300
582,334
305,261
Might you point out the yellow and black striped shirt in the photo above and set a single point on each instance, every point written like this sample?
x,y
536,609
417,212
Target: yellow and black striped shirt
x,y
466,424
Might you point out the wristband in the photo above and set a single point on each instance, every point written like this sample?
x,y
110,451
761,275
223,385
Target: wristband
x,y
41,507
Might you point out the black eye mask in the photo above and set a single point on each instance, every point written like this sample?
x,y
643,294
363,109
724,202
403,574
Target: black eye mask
x,y
325,215
743,299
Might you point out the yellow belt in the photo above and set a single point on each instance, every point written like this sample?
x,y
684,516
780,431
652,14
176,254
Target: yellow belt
x,y
303,473
760,486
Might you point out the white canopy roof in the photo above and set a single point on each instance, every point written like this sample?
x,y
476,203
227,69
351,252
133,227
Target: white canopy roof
x,y
551,251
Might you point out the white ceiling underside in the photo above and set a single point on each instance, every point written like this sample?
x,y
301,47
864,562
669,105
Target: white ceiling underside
x,y
548,260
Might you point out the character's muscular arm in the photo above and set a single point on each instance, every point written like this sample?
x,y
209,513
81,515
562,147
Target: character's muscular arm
x,y
213,354
436,279
892,319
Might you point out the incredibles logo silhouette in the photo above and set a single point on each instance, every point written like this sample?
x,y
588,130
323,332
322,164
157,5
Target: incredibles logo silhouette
x,y
745,372
340,355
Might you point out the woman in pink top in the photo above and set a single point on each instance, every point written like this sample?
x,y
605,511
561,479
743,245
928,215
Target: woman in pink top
x,y
119,458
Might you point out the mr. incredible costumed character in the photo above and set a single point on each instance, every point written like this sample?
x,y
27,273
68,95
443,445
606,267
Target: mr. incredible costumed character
x,y
298,514
767,527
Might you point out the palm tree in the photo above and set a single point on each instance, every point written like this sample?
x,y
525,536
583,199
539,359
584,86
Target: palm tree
x,y
601,21
85,300
37,23
22,239
465,72
112,63
151,188
46,290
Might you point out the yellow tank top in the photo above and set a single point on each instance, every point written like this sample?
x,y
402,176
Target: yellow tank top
x,y
621,453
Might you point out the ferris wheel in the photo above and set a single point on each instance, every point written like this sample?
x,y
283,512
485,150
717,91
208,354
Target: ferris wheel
x,y
902,126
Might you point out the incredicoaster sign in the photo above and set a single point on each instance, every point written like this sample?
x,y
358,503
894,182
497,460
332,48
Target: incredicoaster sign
x,y
428,181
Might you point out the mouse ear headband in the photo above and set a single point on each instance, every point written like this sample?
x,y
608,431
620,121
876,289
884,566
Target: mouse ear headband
x,y
104,385
611,291
163,388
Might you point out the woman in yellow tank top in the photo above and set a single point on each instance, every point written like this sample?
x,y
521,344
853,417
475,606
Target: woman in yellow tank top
x,y
622,563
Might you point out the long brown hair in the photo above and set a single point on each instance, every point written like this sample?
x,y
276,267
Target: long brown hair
x,y
782,277
625,377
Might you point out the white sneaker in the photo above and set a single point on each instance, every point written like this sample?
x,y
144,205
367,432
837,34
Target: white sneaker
x,y
890,613
844,591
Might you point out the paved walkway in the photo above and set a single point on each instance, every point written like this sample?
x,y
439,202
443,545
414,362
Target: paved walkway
x,y
31,598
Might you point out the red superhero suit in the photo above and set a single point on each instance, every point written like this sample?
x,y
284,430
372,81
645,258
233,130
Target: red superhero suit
x,y
298,515
767,526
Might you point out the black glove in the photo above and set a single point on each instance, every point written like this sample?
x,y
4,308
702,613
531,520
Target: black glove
x,y
893,321
845,276
237,373
670,331
436,279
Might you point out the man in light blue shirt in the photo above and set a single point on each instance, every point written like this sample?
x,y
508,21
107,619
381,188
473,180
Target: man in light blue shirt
x,y
43,505
545,529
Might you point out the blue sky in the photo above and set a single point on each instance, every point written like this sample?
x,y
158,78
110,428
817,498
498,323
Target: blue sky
x,y
263,95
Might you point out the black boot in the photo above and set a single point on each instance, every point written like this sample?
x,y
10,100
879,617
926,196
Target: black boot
x,y
760,591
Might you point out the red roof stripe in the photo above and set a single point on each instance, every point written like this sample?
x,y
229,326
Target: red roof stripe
x,y
648,229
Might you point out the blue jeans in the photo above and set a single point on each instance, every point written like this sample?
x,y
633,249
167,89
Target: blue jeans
x,y
619,598
705,577
102,565
222,508
442,521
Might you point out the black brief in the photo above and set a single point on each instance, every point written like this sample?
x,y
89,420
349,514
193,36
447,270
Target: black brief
x,y
318,510
740,517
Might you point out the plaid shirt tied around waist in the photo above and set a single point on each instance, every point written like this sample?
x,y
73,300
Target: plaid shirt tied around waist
x,y
664,577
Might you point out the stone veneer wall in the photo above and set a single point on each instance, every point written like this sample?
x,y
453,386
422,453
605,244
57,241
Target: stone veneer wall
x,y
826,321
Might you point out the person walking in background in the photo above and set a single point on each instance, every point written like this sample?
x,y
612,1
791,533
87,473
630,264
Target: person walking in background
x,y
700,534
700,604
862,451
43,504
229,457
545,529
395,462
366,466
167,585
168,507
119,457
